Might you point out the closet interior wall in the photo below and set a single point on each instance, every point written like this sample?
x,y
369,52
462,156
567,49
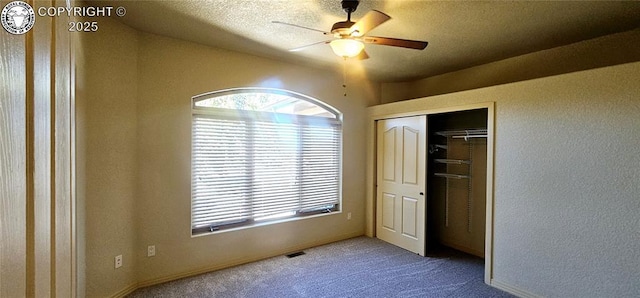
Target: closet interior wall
x,y
456,181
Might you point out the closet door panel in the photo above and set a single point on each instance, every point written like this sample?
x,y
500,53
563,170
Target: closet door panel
x,y
13,155
36,161
64,207
388,211
410,217
410,156
389,159
400,203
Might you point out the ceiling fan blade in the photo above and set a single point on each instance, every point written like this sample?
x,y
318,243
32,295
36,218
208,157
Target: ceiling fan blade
x,y
395,42
370,20
363,55
303,27
309,45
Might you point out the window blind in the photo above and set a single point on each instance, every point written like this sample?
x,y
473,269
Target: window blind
x,y
246,170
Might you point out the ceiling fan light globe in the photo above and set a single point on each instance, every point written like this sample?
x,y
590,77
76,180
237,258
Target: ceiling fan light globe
x,y
346,48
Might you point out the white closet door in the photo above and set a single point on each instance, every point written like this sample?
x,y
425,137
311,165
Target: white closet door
x,y
401,165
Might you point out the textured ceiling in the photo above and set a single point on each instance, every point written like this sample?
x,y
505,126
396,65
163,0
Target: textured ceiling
x,y
461,34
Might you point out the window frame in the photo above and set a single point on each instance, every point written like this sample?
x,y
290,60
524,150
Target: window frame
x,y
250,115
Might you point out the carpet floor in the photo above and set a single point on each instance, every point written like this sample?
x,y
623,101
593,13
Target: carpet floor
x,y
358,267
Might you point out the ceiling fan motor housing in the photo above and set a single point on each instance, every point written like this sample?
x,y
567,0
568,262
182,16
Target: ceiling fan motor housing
x,y
342,29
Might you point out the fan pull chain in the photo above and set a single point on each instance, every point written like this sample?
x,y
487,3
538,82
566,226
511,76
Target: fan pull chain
x,y
344,76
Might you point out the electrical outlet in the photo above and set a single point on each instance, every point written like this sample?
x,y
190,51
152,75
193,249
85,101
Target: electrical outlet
x,y
118,261
151,250
348,215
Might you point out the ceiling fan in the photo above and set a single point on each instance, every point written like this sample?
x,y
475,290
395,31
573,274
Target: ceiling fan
x,y
349,37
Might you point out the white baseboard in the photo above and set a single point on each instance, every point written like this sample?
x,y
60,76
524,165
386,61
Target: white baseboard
x,y
513,290
126,291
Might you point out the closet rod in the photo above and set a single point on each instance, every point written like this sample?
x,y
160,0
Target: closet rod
x,y
469,137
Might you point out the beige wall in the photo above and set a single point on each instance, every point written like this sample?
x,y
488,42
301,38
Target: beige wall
x,y
171,72
566,202
566,207
135,153
598,52
106,90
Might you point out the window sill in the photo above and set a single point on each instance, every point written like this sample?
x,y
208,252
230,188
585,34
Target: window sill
x,y
273,222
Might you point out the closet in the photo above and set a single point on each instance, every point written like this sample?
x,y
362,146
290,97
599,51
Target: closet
x,y
456,181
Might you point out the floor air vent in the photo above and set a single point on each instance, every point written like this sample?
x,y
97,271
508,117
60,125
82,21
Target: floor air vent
x,y
295,254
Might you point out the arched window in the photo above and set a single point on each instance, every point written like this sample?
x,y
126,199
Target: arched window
x,y
261,155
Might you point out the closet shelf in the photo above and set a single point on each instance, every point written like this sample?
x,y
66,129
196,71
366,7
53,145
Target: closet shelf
x,y
445,147
452,161
464,134
451,176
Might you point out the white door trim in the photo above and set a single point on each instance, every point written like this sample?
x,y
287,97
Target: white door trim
x,y
371,171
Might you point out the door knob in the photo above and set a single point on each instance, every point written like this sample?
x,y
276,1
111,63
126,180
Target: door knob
x,y
421,193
